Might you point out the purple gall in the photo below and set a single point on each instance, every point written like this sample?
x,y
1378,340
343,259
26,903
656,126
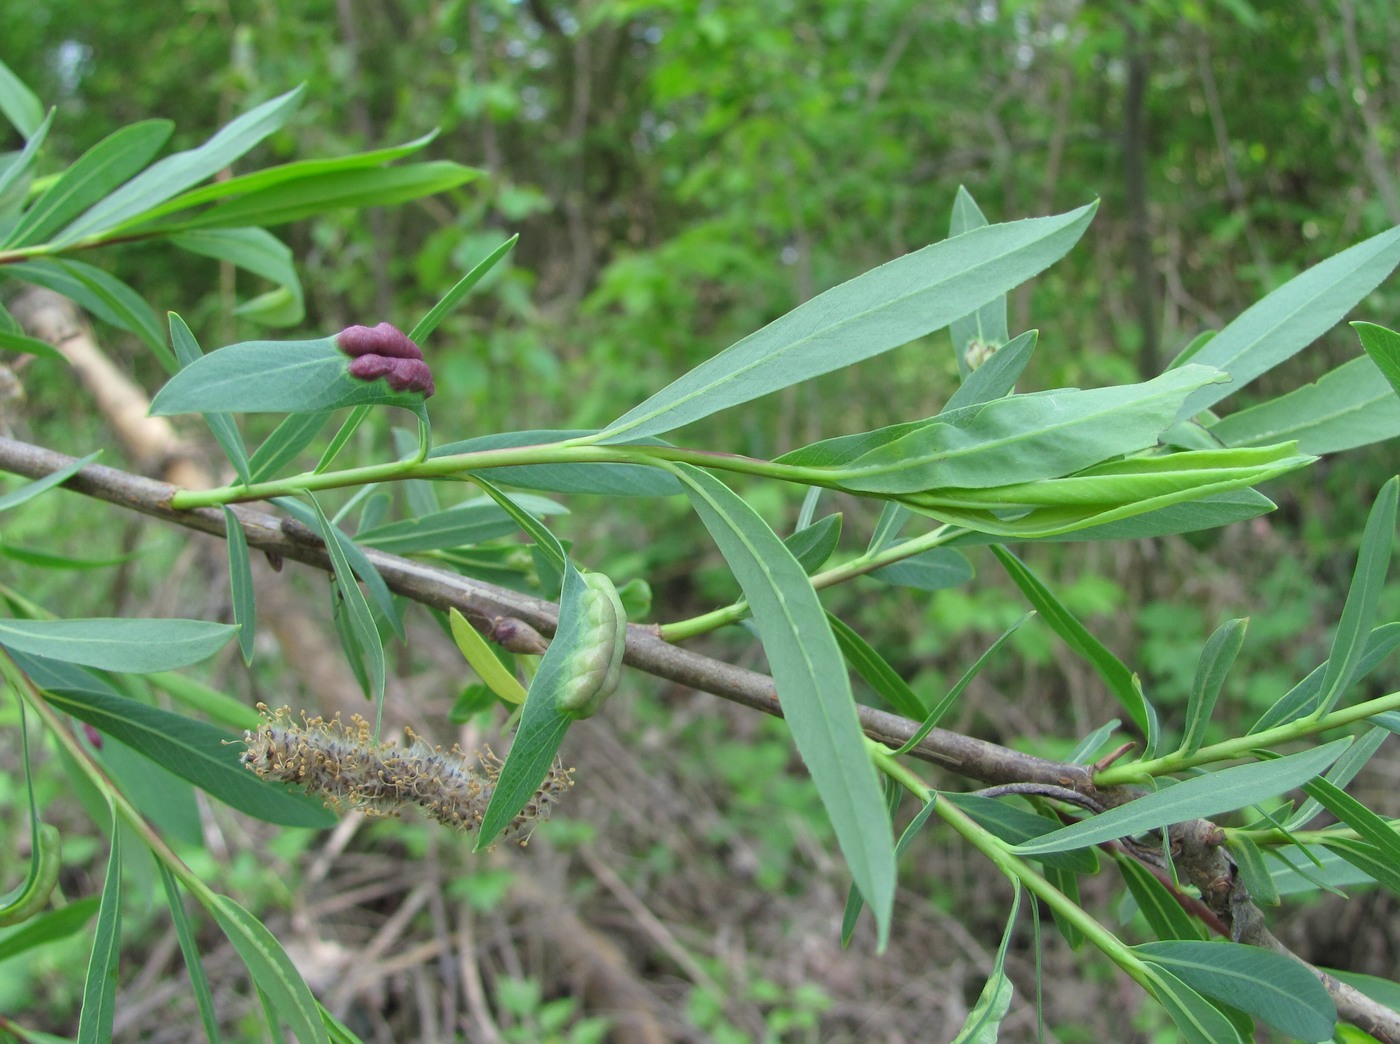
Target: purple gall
x,y
385,351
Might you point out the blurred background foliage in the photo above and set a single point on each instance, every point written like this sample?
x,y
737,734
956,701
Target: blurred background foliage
x,y
683,171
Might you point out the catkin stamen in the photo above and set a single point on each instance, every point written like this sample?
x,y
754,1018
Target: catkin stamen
x,y
340,763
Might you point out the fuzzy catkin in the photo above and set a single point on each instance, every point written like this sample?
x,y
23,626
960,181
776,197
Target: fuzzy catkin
x,y
340,763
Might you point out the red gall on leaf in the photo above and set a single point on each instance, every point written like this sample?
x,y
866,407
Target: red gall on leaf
x,y
385,351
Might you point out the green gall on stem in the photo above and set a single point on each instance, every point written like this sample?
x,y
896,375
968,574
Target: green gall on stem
x,y
597,665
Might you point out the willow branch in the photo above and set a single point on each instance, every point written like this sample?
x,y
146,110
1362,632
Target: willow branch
x,y
491,610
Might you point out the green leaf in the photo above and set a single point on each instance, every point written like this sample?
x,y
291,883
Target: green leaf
x,y
424,328
486,663
1199,1021
1377,865
1293,316
15,177
1368,826
547,542
318,193
379,592
1350,406
103,295
984,1020
99,170
1121,681
934,570
135,645
812,683
876,671
471,522
1014,825
286,441
997,376
1090,744
1022,438
274,377
1383,346
1274,988
611,480
187,351
1340,774
18,103
1249,858
882,309
812,545
1359,611
30,490
48,927
366,636
855,902
1161,909
272,970
257,251
542,724
100,985
240,572
189,947
1211,669
1197,798
1212,512
174,174
1302,698
258,180
204,755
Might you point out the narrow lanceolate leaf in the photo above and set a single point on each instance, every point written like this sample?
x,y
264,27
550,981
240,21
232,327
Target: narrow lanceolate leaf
x,y
1276,989
1368,826
189,948
1359,611
1197,1019
104,295
18,103
31,490
542,724
876,671
1383,346
135,645
272,970
812,684
1197,798
187,351
424,328
379,594
984,1020
286,441
1214,664
855,903
366,636
934,570
176,173
468,523
812,545
193,750
100,986
1369,859
1302,698
487,665
1121,681
273,377
96,172
1014,824
1162,910
985,329
240,572
15,176
997,376
546,541
882,309
1293,316
1340,774
1025,438
1351,406
258,251
1249,858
